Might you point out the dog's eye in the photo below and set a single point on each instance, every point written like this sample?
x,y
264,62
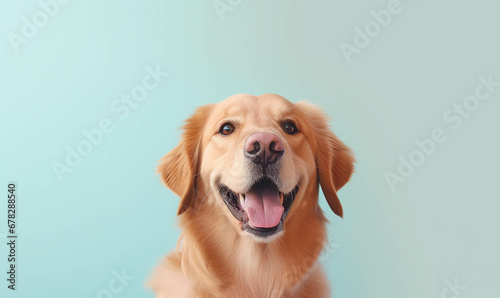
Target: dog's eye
x,y
226,129
289,128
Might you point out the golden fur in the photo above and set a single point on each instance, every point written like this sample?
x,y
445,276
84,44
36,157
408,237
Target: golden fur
x,y
214,257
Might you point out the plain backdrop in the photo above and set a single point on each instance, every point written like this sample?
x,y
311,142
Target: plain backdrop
x,y
64,68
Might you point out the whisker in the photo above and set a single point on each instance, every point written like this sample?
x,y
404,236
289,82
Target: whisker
x,y
199,208
278,242
265,250
197,174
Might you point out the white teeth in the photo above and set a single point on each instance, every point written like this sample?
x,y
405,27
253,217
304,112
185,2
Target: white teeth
x,y
242,199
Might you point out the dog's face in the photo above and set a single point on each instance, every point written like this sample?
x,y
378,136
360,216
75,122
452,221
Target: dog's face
x,y
256,158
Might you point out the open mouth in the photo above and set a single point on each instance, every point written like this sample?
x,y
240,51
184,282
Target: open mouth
x,y
262,209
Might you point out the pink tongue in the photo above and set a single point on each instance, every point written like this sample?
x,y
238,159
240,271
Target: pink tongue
x,y
263,207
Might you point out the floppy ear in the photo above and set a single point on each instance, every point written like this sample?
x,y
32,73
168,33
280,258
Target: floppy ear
x,y
179,167
334,160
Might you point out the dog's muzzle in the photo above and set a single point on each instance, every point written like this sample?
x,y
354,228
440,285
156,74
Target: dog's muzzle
x,y
263,207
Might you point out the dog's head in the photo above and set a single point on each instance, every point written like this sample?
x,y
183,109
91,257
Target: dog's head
x,y
255,159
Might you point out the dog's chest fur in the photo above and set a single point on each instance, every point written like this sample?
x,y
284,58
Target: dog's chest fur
x,y
211,263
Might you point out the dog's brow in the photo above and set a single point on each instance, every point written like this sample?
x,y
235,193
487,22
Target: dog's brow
x,y
232,119
234,110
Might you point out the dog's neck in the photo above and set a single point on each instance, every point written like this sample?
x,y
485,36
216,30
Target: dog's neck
x,y
228,258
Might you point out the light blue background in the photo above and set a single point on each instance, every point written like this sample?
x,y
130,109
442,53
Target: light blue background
x,y
113,213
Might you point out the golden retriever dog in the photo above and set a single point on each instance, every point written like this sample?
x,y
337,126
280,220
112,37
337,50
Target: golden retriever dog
x,y
248,172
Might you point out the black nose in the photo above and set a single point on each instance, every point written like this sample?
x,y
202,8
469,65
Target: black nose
x,y
264,148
